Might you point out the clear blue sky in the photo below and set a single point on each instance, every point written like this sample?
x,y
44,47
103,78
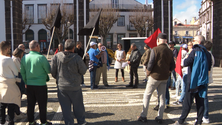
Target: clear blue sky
x,y
183,9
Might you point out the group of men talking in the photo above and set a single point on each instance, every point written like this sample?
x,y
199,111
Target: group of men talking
x,y
68,69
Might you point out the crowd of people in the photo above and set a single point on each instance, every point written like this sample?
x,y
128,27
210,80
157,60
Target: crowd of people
x,y
28,73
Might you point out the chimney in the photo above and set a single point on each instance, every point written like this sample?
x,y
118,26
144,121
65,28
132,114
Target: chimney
x,y
185,22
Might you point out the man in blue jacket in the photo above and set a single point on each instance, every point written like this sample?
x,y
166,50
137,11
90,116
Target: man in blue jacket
x,y
199,63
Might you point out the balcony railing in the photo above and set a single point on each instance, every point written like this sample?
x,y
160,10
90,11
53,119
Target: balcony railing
x,y
119,6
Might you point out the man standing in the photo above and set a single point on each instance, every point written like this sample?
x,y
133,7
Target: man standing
x,y
60,48
145,60
134,62
80,52
199,63
175,53
10,96
67,68
93,63
34,71
160,65
103,69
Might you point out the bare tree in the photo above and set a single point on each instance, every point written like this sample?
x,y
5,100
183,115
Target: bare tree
x,y
108,17
26,24
67,16
139,18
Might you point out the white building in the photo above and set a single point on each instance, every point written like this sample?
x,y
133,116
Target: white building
x,y
36,10
122,28
206,19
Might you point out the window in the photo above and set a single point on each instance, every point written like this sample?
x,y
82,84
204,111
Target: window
x,y
175,23
115,3
121,21
54,7
29,13
187,32
132,34
69,8
175,32
42,12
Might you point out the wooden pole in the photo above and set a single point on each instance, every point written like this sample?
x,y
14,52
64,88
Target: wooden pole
x,y
88,43
50,42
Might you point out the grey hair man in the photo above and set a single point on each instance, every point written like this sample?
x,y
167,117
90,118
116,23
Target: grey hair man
x,y
103,69
199,63
160,64
67,68
134,62
34,70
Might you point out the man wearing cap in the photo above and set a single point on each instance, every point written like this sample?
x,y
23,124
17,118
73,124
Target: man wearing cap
x,y
93,63
160,65
145,60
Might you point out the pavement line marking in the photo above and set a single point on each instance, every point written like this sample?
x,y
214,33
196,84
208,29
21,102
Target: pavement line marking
x,y
57,118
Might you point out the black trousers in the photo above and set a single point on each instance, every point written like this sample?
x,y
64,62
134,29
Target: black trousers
x,y
133,72
187,103
117,70
12,109
37,94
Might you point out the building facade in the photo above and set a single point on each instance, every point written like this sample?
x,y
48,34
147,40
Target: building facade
x,y
184,32
11,22
123,27
37,10
205,17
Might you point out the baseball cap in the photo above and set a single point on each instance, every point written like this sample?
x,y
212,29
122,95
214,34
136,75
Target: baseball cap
x,y
92,43
184,46
162,36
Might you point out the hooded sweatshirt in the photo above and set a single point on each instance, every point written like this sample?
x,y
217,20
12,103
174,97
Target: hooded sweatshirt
x,y
67,68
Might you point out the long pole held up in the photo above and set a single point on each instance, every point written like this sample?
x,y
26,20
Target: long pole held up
x,y
88,43
50,41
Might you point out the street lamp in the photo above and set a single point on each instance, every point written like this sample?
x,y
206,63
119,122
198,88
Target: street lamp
x,y
146,25
68,25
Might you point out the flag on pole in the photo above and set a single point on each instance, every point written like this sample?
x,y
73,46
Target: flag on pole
x,y
93,23
57,19
178,68
151,40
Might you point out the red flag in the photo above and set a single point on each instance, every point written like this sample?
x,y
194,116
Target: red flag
x,y
178,68
57,50
151,40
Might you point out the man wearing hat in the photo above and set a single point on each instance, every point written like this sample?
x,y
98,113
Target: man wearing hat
x,y
145,60
93,63
160,64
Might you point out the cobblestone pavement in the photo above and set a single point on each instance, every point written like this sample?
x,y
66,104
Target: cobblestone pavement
x,y
118,105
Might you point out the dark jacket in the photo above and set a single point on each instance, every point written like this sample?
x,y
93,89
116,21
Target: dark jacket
x,y
201,65
145,57
135,58
161,62
67,68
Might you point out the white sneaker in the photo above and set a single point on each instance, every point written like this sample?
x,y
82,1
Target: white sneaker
x,y
21,116
83,85
205,120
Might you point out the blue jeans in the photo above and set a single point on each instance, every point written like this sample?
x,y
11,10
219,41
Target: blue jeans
x,y
206,107
183,87
174,78
93,77
167,101
66,98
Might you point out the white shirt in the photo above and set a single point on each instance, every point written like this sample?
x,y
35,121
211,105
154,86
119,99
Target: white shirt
x,y
212,66
17,62
184,69
7,67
